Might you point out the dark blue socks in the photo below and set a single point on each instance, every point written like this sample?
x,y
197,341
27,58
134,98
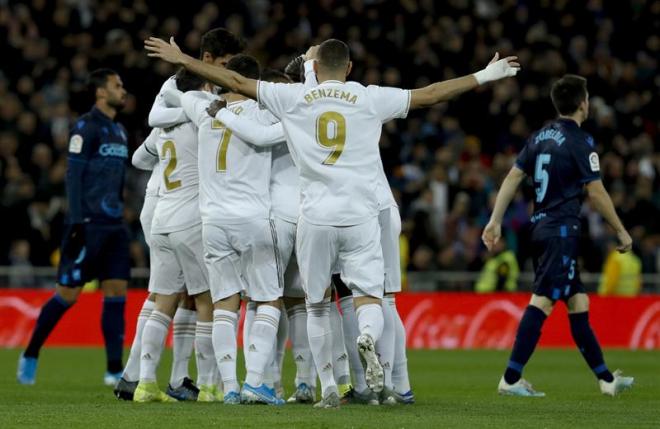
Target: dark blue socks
x,y
51,313
112,323
588,344
529,332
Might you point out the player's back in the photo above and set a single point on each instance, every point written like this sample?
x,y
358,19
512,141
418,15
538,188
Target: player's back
x,y
560,159
178,204
235,174
333,131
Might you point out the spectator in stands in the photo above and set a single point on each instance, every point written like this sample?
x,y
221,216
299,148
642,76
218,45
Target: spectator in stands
x,y
500,272
621,273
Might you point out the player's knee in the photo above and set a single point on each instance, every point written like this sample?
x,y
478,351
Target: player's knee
x,y
364,300
543,303
578,303
277,303
230,303
114,287
68,294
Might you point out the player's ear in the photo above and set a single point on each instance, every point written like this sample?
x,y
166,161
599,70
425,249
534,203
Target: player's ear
x,y
207,57
349,68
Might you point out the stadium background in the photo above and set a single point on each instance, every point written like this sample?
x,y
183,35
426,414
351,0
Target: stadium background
x,y
444,164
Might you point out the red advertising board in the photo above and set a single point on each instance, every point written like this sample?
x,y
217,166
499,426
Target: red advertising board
x,y
432,320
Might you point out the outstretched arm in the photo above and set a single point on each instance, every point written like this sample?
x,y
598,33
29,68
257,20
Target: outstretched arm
x,y
603,204
493,230
171,53
444,91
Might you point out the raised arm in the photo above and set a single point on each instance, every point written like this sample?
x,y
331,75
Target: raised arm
x,y
444,91
602,202
228,79
493,230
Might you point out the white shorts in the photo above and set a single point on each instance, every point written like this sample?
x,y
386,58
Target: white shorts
x,y
243,258
286,244
354,250
174,253
147,215
390,229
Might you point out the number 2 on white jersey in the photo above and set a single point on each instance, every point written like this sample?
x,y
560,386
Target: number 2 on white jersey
x,y
331,133
169,147
221,165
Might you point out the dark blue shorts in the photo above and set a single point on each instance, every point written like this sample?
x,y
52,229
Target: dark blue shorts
x,y
556,273
104,256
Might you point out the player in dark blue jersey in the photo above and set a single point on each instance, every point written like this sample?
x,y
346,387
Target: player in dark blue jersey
x,y
95,242
562,161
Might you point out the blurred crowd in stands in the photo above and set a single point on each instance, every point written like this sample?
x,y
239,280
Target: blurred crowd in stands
x,y
444,164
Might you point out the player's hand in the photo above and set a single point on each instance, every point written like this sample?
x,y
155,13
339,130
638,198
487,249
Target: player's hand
x,y
498,69
492,234
311,53
169,52
625,241
75,241
215,107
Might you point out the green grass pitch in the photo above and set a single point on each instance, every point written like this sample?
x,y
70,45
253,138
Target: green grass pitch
x,y
453,389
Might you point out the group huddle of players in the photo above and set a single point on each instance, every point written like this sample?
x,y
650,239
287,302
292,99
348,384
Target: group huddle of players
x,y
282,202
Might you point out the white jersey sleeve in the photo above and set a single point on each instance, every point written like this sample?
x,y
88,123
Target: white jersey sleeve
x,y
162,115
153,185
310,74
194,104
146,155
250,130
389,103
278,97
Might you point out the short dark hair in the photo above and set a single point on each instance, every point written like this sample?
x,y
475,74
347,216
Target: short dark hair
x,y
295,70
245,65
187,81
333,54
98,79
567,93
272,75
219,42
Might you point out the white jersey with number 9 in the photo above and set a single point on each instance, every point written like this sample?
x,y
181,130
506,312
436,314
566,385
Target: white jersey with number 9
x,y
333,131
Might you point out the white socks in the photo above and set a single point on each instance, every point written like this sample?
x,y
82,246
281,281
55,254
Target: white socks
x,y
320,341
224,344
132,368
385,346
351,332
250,312
400,368
341,370
263,334
153,341
184,337
370,320
206,364
302,354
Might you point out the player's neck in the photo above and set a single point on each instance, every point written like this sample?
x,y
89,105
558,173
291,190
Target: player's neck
x,y
232,97
322,77
108,111
577,118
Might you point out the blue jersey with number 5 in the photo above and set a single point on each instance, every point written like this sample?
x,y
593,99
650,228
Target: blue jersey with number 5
x,y
560,158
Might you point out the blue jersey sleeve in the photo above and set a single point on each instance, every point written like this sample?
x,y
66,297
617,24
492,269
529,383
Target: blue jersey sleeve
x,y
586,158
522,162
81,147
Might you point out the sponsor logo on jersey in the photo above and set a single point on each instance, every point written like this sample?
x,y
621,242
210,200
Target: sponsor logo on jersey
x,y
114,149
76,143
593,162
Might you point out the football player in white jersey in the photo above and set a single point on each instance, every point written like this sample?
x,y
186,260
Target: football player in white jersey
x,y
333,132
284,193
176,243
239,239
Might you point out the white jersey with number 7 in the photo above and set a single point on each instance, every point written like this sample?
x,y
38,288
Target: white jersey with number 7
x,y
333,131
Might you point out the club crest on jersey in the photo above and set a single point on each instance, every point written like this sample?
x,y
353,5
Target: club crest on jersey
x,y
593,162
76,143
